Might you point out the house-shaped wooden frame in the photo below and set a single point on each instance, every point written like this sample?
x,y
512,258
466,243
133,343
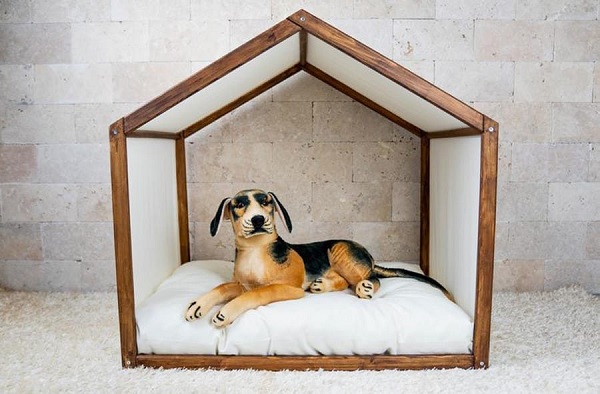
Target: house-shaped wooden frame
x,y
459,152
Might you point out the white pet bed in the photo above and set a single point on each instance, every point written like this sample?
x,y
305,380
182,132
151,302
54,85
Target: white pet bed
x,y
405,317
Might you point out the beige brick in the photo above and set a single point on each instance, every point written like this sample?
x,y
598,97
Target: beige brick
x,y
35,43
504,162
374,33
514,40
15,12
482,81
16,84
79,163
221,247
501,247
20,275
323,9
546,162
576,201
37,124
318,162
592,241
519,275
349,121
60,276
231,9
575,122
518,201
141,82
433,40
306,232
70,11
78,241
553,82
557,9
397,241
394,9
352,202
98,275
20,241
475,9
562,273
243,30
272,122
176,41
73,83
386,161
226,162
39,203
522,122
92,120
528,241
110,42
594,169
597,83
406,202
566,240
94,203
304,87
124,10
18,163
577,41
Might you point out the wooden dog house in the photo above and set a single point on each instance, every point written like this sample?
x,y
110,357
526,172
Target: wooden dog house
x,y
459,149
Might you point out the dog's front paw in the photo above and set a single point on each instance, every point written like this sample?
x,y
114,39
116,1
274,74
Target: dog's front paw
x,y
365,289
220,320
194,311
317,286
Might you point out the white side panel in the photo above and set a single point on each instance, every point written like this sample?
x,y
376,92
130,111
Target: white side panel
x,y
378,88
232,86
154,216
454,215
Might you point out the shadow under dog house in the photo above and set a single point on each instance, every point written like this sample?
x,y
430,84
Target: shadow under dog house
x,y
459,153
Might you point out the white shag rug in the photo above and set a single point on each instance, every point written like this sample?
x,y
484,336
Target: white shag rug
x,y
69,342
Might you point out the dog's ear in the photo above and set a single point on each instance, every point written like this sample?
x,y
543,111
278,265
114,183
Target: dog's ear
x,y
283,214
223,213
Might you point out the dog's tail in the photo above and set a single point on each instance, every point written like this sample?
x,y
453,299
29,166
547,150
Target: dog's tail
x,y
383,272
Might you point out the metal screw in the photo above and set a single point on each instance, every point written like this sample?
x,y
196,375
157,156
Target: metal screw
x,y
491,129
302,19
128,363
115,132
481,363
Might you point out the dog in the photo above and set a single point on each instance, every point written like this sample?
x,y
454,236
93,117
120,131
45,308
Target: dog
x,y
268,269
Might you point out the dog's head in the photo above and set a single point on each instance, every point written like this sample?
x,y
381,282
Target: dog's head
x,y
252,213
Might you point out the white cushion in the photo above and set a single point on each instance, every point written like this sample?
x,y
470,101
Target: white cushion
x,y
404,317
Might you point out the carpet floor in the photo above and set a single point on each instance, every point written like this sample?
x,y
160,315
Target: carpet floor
x,y
68,342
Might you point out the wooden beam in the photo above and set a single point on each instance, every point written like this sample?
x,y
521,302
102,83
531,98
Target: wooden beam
x,y
122,236
485,244
153,134
328,79
464,132
202,123
388,68
182,200
303,363
210,74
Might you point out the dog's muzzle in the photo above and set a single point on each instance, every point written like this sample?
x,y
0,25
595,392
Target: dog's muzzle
x,y
258,224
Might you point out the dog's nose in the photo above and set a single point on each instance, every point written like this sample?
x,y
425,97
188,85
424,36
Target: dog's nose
x,y
257,221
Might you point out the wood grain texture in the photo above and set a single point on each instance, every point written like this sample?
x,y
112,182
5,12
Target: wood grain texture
x,y
388,68
122,234
303,363
485,247
464,132
182,200
210,74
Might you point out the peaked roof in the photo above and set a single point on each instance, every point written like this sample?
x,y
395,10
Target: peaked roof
x,y
303,42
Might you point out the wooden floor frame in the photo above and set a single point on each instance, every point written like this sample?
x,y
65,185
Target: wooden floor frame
x,y
479,124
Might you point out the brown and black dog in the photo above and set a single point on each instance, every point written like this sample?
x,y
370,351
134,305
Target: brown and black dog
x,y
268,269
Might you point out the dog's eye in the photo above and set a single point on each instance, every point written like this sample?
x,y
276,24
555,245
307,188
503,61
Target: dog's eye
x,y
240,205
265,203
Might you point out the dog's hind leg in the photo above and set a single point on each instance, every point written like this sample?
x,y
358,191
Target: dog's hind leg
x,y
331,281
352,261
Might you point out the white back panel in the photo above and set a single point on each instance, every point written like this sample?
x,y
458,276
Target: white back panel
x,y
379,88
232,86
154,216
454,215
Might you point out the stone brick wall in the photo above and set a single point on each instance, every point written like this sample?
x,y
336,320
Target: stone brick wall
x,y
69,68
